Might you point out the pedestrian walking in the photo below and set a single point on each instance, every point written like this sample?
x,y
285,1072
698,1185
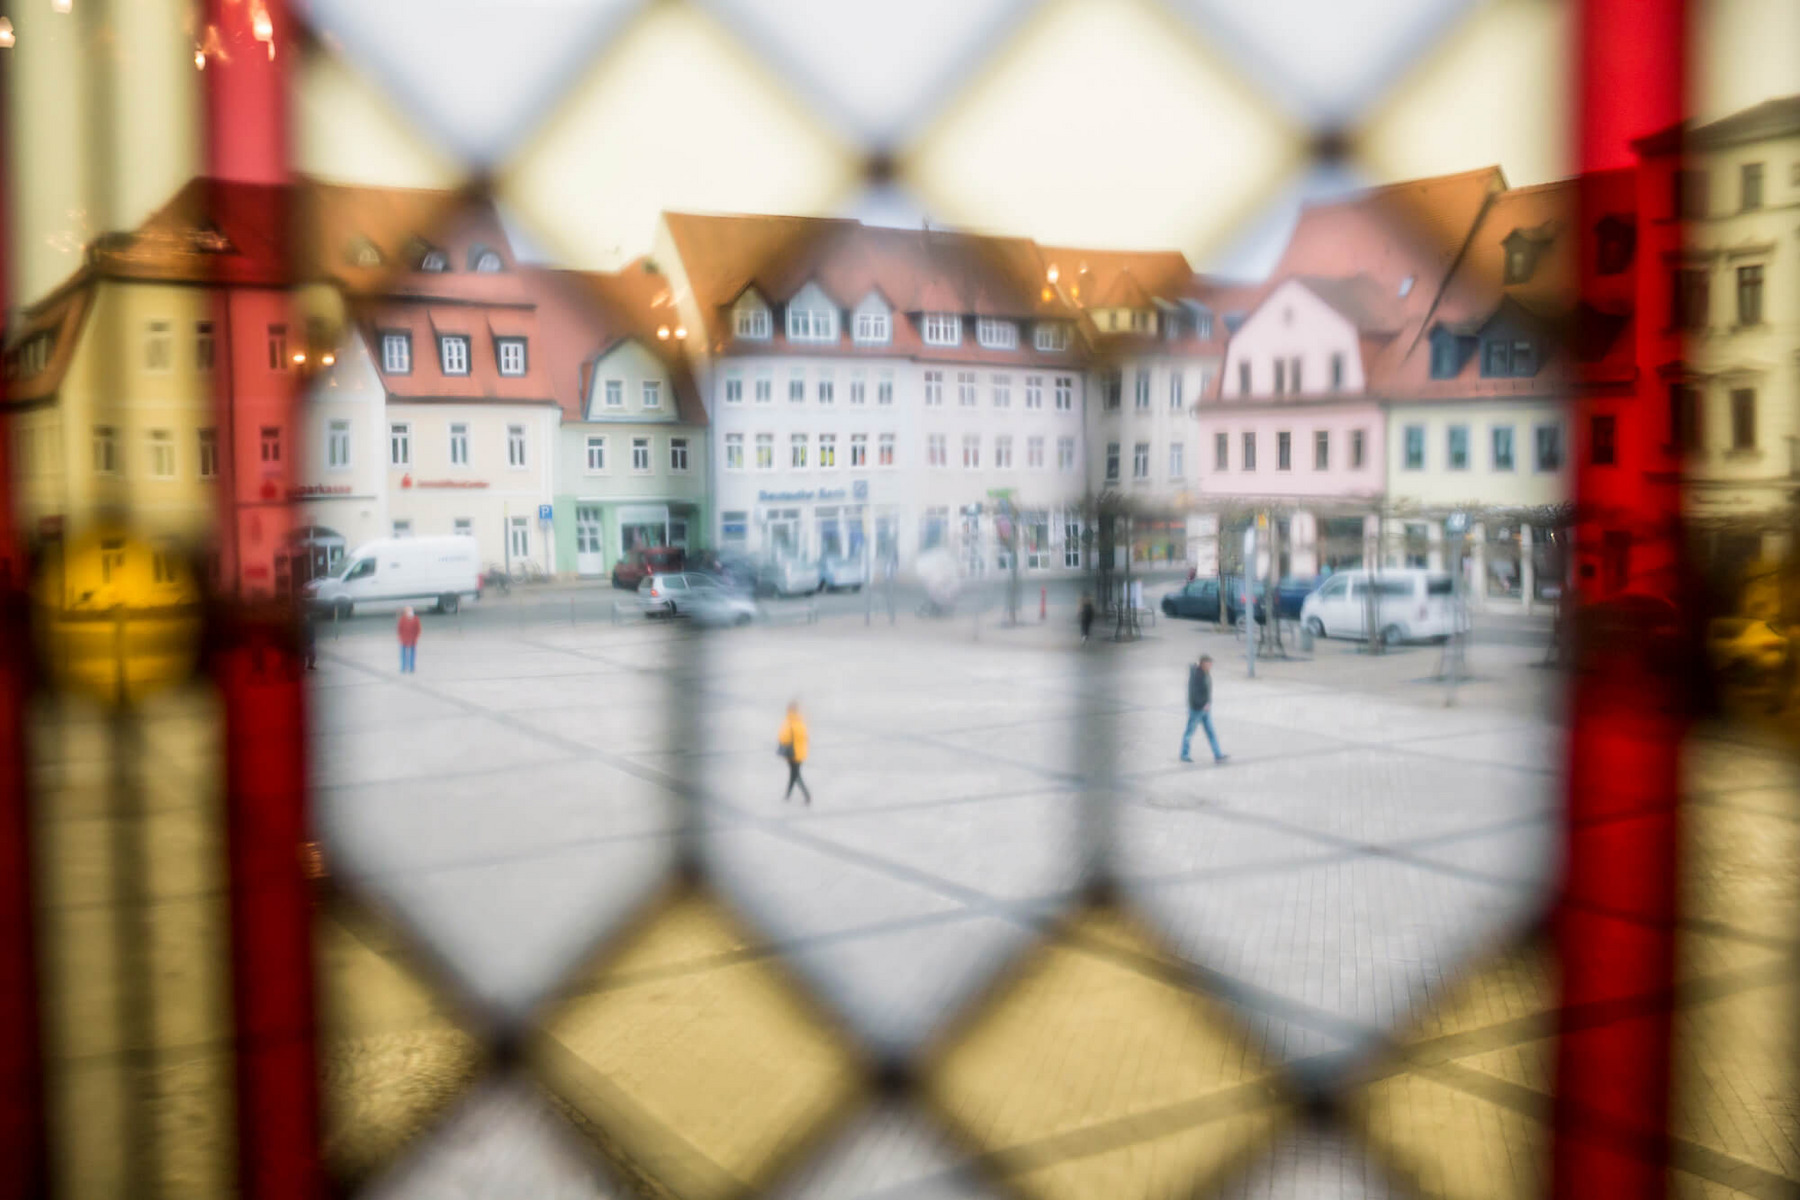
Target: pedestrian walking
x,y
1200,708
408,629
792,746
1086,612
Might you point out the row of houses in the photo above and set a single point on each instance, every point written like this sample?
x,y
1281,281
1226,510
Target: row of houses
x,y
1416,380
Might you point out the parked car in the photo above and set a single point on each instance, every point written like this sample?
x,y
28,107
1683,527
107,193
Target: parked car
x,y
390,572
1290,596
1743,650
842,572
736,570
694,594
787,576
638,564
1198,599
1410,603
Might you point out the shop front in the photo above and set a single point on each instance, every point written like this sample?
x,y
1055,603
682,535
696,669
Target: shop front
x,y
596,534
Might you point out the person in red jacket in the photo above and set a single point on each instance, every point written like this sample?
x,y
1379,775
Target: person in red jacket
x,y
408,629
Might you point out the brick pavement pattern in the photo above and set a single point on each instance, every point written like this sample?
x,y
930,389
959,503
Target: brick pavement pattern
x,y
1349,892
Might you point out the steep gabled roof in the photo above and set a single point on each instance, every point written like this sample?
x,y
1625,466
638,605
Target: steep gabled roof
x,y
61,320
633,304
1779,117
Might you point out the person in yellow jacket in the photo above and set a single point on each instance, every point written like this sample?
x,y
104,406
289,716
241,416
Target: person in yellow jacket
x,y
792,747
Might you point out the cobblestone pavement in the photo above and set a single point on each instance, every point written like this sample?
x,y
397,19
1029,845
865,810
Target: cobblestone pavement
x,y
1362,866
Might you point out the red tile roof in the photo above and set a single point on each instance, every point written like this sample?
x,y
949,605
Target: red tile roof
x,y
915,270
586,314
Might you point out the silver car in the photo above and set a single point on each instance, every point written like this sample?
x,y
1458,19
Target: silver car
x,y
842,572
693,594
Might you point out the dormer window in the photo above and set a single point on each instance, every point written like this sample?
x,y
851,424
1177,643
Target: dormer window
x,y
453,355
1051,336
1203,322
872,325
997,335
434,261
750,319
811,325
364,254
1141,321
943,329
1502,357
487,262
811,316
1448,353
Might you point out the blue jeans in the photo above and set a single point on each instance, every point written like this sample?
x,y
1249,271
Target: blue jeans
x,y
408,656
1202,718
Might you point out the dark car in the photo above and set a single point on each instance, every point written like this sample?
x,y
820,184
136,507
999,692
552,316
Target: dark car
x,y
1290,594
638,564
1198,599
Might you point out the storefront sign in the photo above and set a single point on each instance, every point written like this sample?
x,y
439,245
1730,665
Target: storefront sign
x,y
452,483
318,489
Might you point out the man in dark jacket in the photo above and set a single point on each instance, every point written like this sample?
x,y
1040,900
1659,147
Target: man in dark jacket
x,y
1200,708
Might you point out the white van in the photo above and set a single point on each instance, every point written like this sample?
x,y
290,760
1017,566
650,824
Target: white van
x,y
390,572
1411,603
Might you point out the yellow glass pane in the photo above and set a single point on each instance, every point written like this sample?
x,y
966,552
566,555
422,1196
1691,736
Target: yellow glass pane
x,y
675,115
1096,1072
394,1057
1496,90
692,1059
1146,111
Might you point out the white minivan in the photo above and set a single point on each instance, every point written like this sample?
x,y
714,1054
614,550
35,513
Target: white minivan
x,y
1411,604
390,572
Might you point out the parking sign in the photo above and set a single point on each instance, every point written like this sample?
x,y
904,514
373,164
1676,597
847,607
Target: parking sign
x,y
543,512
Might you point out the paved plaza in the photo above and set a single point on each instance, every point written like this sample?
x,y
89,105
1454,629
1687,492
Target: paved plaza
x,y
520,796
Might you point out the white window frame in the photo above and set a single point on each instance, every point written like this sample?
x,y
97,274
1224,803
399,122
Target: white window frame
x,y
859,388
827,451
678,456
1034,391
1177,460
1140,461
934,389
1051,336
937,450
734,452
799,446
517,457
751,319
337,445
1003,445
162,452
872,329
640,456
396,353
765,389
505,348
859,450
797,387
1034,453
966,396
595,454
971,452
995,334
941,329
459,444
1065,393
1002,387
765,441
734,389
652,394
399,444
1140,389
1177,392
886,450
460,344
884,388
614,391
1065,454
827,388
811,324
106,450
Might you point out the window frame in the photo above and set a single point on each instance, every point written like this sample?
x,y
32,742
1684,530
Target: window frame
x,y
642,459
1451,433
516,441
502,346
941,329
1140,461
594,447
161,460
1412,447
337,444
1050,337
445,342
207,452
400,439
389,339
995,333
679,457
459,443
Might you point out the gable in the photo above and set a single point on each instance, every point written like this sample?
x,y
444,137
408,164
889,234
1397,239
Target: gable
x,y
812,298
